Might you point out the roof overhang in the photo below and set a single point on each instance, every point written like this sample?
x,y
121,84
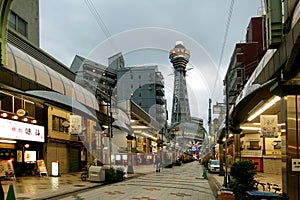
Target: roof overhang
x,y
245,104
50,96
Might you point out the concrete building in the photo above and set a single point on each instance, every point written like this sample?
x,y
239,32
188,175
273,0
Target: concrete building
x,y
23,19
264,116
144,85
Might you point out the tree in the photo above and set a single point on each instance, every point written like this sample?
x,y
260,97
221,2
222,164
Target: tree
x,y
243,173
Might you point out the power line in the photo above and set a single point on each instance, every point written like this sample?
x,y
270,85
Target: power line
x,y
100,22
224,42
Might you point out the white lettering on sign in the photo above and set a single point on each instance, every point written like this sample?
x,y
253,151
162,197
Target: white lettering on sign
x,y
21,131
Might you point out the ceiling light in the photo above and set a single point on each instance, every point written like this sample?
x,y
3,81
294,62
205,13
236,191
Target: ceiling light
x,y
8,141
264,108
250,128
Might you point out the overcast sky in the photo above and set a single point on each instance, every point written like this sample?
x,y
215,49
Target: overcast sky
x,y
144,31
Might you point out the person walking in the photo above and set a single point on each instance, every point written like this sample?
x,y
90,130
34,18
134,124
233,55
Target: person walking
x,y
157,164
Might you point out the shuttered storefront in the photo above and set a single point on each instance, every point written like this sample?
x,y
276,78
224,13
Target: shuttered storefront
x,y
74,159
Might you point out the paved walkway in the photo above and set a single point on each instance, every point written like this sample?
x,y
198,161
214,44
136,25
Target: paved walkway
x,y
179,182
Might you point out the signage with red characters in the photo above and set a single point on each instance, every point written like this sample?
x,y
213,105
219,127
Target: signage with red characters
x,y
21,131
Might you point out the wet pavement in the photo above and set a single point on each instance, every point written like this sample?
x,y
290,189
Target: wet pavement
x,y
178,182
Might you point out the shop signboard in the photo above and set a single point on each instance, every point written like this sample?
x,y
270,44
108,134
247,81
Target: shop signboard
x,y
41,167
296,165
21,131
75,124
54,168
268,125
6,168
29,156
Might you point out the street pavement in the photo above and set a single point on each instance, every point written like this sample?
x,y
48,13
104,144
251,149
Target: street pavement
x,y
178,182
183,182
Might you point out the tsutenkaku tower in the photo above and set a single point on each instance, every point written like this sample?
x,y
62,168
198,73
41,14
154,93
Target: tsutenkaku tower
x,y
179,57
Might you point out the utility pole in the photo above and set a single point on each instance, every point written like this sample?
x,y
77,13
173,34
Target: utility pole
x,y
226,127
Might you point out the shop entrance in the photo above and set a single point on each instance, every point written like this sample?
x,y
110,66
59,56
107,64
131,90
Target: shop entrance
x,y
27,154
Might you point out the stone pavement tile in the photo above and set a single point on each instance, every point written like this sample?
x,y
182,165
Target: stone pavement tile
x,y
171,184
178,182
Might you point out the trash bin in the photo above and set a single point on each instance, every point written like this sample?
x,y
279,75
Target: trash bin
x,y
96,173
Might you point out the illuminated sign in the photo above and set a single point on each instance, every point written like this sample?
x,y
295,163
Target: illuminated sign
x,y
21,113
21,131
30,156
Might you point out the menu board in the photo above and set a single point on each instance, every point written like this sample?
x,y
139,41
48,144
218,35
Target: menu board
x,y
6,168
41,167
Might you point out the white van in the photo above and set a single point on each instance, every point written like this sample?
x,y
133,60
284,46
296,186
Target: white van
x,y
214,166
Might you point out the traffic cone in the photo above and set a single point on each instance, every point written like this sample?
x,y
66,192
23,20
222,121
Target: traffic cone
x,y
204,175
1,192
11,193
225,182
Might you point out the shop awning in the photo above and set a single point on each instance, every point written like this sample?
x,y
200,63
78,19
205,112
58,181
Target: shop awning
x,y
62,99
121,125
248,99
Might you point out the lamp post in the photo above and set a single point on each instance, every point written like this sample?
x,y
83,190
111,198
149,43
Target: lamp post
x,y
129,147
226,127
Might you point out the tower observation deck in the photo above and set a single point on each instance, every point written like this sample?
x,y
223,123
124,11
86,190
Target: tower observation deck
x,y
179,57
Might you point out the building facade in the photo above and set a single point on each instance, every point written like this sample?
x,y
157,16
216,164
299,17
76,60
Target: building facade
x,y
264,116
144,85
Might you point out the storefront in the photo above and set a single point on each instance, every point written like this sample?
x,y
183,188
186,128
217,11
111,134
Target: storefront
x,y
21,144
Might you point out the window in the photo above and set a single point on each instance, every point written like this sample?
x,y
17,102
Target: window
x,y
57,123
17,23
30,108
254,145
6,102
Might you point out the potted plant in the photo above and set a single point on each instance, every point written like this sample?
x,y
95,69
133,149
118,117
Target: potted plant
x,y
242,178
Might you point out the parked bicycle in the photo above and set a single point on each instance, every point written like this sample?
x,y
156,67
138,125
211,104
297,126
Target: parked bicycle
x,y
273,186
264,191
259,186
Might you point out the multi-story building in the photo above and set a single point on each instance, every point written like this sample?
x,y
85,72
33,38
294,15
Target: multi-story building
x,y
144,85
246,57
23,19
39,103
266,110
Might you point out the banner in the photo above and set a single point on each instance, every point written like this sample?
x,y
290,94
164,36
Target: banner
x,y
268,126
75,124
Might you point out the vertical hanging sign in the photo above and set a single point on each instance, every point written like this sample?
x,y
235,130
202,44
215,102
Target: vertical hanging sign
x,y
268,125
75,124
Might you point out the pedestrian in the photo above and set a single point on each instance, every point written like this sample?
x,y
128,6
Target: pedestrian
x,y
157,164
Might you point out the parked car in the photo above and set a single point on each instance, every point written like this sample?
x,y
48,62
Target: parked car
x,y
213,166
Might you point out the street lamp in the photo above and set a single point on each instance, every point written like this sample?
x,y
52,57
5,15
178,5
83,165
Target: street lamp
x,y
129,147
